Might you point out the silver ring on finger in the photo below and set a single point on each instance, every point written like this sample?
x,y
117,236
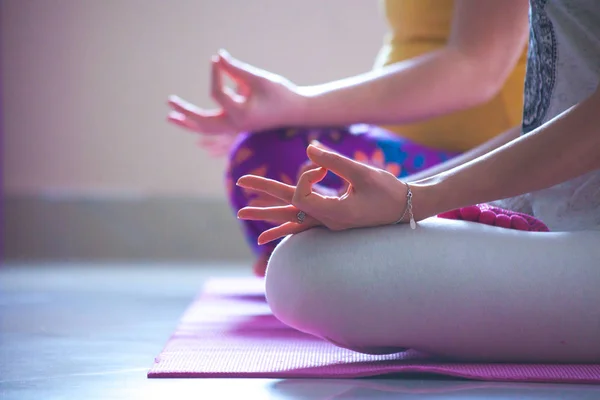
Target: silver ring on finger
x,y
300,216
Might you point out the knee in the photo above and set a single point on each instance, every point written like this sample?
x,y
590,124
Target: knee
x,y
312,286
292,286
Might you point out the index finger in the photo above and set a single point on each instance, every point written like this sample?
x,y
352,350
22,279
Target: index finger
x,y
207,124
314,203
184,107
272,187
306,166
219,92
344,167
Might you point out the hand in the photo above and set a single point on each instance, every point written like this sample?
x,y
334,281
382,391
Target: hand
x,y
261,100
322,190
217,146
374,197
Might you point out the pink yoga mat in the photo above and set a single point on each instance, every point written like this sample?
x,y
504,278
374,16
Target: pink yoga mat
x,y
229,331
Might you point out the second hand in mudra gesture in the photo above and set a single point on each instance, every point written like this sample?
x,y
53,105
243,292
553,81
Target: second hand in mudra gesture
x,y
373,197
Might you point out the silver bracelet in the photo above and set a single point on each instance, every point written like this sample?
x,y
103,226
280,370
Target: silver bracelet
x,y
408,209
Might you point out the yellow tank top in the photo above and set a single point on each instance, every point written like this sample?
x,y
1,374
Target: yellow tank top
x,y
421,26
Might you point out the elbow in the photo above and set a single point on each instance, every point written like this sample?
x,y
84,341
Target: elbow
x,y
488,86
482,85
482,79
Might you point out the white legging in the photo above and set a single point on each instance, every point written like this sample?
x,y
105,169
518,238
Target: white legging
x,y
451,288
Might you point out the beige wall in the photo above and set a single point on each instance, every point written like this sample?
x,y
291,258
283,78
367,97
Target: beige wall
x,y
85,82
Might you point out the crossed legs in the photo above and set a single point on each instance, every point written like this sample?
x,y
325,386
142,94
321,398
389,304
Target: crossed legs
x,y
451,288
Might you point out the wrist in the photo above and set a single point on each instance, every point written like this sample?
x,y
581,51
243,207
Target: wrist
x,y
292,107
306,109
429,198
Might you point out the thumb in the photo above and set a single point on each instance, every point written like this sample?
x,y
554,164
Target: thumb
x,y
345,185
320,145
237,70
306,166
353,172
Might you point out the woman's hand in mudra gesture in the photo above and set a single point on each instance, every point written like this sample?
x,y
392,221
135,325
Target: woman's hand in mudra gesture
x,y
374,197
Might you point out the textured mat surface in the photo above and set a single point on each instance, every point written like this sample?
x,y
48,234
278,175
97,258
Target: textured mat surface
x,y
228,331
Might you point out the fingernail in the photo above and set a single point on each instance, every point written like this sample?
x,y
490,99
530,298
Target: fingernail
x,y
223,53
315,142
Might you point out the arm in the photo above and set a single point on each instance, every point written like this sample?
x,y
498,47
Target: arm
x,y
571,148
485,43
478,151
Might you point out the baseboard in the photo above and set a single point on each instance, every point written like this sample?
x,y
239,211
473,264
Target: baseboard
x,y
121,229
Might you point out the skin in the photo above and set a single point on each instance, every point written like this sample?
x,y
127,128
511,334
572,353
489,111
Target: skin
x,y
467,291
470,155
571,146
486,40
552,321
475,308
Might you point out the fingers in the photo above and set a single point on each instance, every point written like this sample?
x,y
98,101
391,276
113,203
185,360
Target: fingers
x,y
307,180
321,145
326,191
311,201
289,228
220,93
352,171
190,117
261,199
240,72
184,108
219,141
217,146
307,166
345,184
182,121
267,201
272,187
278,215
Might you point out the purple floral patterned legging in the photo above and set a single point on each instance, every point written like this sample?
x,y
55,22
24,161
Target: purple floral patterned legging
x,y
279,154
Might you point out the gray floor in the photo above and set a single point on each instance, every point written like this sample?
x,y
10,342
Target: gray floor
x,y
75,331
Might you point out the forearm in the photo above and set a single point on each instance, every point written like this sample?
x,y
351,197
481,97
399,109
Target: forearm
x,y
485,41
560,150
478,151
435,84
